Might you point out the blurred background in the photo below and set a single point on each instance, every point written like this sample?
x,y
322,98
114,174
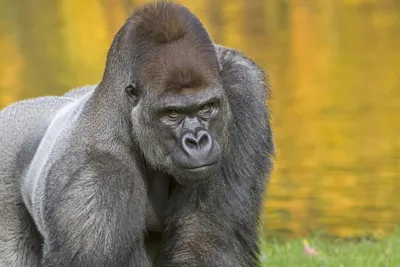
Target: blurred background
x,y
334,70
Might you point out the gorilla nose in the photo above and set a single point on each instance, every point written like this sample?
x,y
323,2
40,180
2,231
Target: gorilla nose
x,y
197,151
199,142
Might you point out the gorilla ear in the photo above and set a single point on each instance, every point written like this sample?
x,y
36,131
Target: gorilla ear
x,y
133,92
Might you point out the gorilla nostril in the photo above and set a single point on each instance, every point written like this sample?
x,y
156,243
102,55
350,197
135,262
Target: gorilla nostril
x,y
203,140
191,142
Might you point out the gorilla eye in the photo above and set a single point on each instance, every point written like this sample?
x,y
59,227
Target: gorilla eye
x,y
173,114
132,90
206,108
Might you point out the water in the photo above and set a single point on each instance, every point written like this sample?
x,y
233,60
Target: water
x,y
334,68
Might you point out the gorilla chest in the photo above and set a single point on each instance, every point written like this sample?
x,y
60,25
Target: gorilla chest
x,y
159,186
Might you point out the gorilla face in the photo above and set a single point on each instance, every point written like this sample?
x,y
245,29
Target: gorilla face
x,y
188,130
191,123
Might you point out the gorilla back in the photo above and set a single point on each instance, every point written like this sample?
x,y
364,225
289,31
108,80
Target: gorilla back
x,y
164,162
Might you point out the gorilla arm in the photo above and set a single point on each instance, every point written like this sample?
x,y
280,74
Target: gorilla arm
x,y
95,218
88,202
215,222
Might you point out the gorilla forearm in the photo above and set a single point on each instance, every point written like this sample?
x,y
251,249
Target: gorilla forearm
x,y
207,229
96,220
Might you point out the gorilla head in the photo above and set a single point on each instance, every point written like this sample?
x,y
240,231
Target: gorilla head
x,y
173,91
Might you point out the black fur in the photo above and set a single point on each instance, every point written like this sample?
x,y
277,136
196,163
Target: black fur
x,y
87,179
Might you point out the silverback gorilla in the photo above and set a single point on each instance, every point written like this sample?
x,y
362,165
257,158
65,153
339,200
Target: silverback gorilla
x,y
163,163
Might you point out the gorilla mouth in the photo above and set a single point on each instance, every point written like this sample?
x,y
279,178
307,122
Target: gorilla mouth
x,y
201,167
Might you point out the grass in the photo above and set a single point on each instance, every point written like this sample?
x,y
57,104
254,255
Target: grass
x,y
334,252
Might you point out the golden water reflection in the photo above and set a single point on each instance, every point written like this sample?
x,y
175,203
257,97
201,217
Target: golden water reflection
x,y
334,67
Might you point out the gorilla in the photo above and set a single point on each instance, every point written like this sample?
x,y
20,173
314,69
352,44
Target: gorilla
x,y
163,163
